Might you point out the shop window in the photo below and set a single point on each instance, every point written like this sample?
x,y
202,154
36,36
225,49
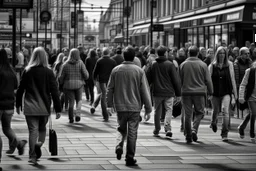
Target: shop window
x,y
201,36
224,35
206,37
171,40
218,39
194,41
190,37
211,37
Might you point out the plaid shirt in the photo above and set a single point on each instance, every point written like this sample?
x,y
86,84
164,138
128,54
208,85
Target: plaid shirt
x,y
73,75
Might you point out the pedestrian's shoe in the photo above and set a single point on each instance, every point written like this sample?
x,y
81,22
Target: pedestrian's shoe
x,y
169,134
241,132
92,110
105,119
224,138
10,151
131,162
119,152
162,120
214,127
38,150
188,140
71,120
33,161
252,136
78,118
156,133
21,146
181,129
194,136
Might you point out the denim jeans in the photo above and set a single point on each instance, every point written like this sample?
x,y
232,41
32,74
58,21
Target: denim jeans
x,y
168,105
6,117
74,95
98,96
221,105
37,132
187,103
103,87
250,117
128,120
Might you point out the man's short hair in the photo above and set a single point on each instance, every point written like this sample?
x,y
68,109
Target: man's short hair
x,y
106,51
161,50
193,51
242,50
119,50
152,51
129,53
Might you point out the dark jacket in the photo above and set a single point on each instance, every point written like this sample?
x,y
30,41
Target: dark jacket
x,y
40,86
103,69
239,68
8,83
118,58
90,63
164,78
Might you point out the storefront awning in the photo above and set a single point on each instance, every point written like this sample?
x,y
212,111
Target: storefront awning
x,y
228,15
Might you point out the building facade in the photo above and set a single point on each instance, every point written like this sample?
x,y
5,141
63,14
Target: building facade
x,y
206,23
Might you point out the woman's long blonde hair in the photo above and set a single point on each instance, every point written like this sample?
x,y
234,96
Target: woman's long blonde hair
x,y
38,57
216,57
74,55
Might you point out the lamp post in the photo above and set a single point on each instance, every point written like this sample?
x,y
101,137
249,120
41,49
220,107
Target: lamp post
x,y
153,5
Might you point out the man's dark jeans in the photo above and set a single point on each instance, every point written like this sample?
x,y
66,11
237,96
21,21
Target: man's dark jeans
x,y
128,120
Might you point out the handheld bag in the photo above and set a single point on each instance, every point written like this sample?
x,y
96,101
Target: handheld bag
x,y
53,140
176,109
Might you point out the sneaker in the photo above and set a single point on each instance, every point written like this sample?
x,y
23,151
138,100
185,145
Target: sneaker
x,y
169,134
241,132
33,160
225,139
156,133
119,152
10,151
71,120
214,127
131,162
92,110
162,120
252,136
21,146
38,150
194,136
78,118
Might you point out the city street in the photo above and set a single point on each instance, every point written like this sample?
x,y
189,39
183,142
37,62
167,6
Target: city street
x,y
90,143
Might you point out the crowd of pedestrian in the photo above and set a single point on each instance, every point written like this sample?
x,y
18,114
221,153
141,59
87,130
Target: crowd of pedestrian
x,y
128,79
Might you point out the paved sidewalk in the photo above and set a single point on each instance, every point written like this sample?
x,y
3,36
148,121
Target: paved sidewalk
x,y
90,143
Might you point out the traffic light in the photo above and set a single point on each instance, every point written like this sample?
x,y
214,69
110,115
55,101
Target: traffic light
x,y
28,35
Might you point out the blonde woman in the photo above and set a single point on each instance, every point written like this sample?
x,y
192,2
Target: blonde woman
x,y
39,85
57,64
72,77
224,90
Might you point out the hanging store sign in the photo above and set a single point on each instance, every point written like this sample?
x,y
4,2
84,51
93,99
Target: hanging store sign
x,y
210,20
16,4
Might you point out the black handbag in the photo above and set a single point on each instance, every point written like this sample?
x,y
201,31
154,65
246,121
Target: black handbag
x,y
53,140
176,109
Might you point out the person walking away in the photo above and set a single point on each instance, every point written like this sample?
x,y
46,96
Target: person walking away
x,y
195,78
39,85
127,91
118,57
103,70
8,84
90,63
72,77
224,90
164,78
56,70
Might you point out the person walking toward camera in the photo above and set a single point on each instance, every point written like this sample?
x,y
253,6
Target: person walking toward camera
x,y
224,90
39,85
8,83
247,94
164,78
127,91
195,80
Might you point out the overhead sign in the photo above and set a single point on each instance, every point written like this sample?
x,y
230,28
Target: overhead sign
x,y
16,4
158,27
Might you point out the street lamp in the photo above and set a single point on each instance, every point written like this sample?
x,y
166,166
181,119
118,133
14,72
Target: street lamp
x,y
153,5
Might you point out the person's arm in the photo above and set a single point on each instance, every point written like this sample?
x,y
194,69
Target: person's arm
x,y
20,91
145,94
110,90
243,86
